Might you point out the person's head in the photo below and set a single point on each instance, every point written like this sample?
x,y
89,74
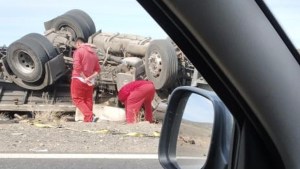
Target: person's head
x,y
79,41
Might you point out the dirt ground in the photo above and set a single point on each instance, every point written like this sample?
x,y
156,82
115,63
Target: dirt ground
x,y
76,137
61,136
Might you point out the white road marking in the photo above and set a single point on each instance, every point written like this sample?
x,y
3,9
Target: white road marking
x,y
80,156
88,156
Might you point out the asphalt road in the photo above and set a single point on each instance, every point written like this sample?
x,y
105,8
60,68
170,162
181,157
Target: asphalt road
x,y
79,161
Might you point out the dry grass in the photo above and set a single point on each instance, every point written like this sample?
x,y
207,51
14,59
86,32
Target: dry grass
x,y
4,116
50,116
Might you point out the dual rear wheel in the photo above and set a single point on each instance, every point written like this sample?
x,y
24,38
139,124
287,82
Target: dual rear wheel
x,y
27,56
75,21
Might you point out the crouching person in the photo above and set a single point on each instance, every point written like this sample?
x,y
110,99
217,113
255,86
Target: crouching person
x,y
134,95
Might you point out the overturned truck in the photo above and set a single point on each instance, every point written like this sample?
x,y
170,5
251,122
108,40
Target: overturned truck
x,y
36,69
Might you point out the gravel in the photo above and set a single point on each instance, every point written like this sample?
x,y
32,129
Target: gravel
x,y
55,133
75,137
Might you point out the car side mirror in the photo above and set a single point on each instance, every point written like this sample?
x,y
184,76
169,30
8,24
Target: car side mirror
x,y
197,130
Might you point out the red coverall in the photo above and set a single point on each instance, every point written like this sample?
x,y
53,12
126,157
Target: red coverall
x,y
85,61
134,95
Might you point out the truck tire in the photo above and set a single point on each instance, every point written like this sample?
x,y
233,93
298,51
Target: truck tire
x,y
85,17
75,25
44,42
161,64
26,59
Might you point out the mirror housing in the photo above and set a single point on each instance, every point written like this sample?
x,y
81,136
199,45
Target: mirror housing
x,y
222,132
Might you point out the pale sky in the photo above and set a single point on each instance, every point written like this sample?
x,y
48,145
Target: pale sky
x,y
19,18
287,12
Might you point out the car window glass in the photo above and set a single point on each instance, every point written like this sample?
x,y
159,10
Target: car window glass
x,y
288,15
40,121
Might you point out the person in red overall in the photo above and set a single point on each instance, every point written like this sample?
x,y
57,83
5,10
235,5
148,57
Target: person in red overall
x,y
85,69
134,95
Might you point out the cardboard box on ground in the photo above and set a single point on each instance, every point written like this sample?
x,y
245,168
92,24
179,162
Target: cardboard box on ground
x,y
104,112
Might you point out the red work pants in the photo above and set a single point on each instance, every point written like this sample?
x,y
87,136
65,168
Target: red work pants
x,y
82,97
141,96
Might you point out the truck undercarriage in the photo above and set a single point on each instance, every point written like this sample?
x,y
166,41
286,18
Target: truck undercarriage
x,y
36,69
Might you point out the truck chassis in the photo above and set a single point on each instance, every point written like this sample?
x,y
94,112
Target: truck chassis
x,y
36,69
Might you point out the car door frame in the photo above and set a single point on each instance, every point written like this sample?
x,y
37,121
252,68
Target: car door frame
x,y
267,46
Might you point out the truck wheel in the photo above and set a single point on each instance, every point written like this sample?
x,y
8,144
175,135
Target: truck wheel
x,y
44,42
26,59
75,25
85,17
161,63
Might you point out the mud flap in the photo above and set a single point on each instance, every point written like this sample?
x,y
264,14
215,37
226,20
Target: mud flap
x,y
55,68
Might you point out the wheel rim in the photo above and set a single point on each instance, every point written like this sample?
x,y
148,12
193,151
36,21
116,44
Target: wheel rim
x,y
23,62
155,64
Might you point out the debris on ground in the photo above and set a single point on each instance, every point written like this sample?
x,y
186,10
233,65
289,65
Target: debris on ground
x,y
53,135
